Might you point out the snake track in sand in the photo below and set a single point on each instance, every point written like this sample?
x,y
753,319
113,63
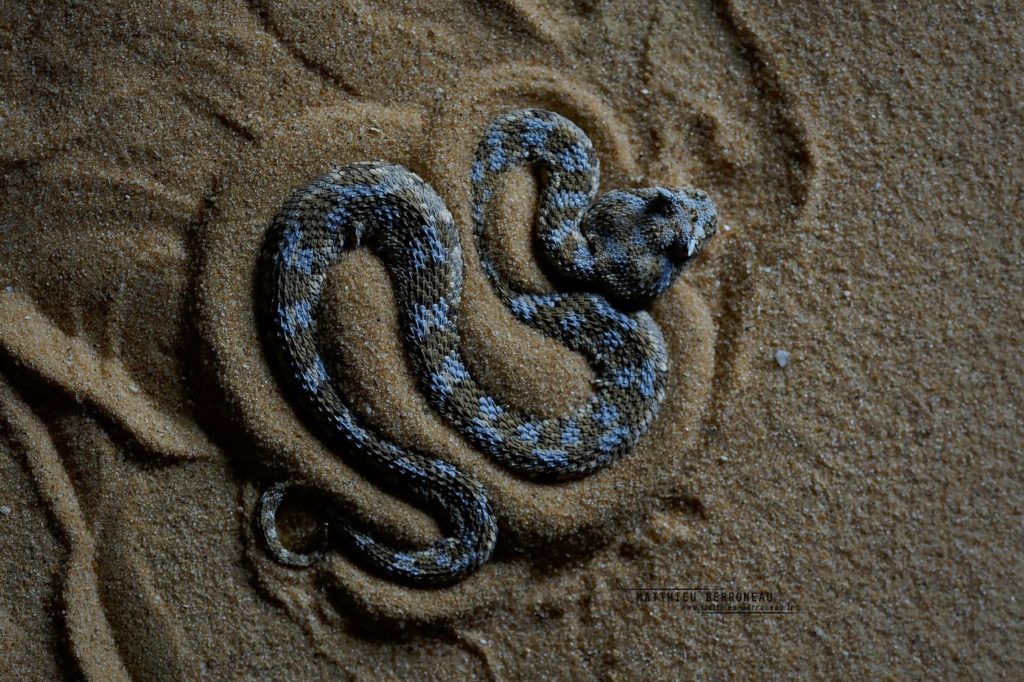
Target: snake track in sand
x,y
624,249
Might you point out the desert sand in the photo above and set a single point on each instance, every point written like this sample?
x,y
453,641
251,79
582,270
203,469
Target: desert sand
x,y
842,431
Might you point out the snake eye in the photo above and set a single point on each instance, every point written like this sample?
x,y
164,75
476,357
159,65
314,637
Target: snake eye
x,y
662,203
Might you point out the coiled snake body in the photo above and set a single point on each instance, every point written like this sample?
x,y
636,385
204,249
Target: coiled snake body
x,y
626,248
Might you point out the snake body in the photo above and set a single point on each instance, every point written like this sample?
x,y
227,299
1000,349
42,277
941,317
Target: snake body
x,y
624,249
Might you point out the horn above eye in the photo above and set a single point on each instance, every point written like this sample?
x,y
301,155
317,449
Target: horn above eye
x,y
662,203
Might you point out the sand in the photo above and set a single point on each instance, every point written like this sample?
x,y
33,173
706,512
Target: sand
x,y
867,164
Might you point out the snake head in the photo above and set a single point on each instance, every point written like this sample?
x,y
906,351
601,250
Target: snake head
x,y
642,239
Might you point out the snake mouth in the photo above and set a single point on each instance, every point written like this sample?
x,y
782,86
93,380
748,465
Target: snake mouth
x,y
685,248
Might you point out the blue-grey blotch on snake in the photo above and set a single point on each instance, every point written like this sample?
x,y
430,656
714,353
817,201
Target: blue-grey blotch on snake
x,y
614,253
